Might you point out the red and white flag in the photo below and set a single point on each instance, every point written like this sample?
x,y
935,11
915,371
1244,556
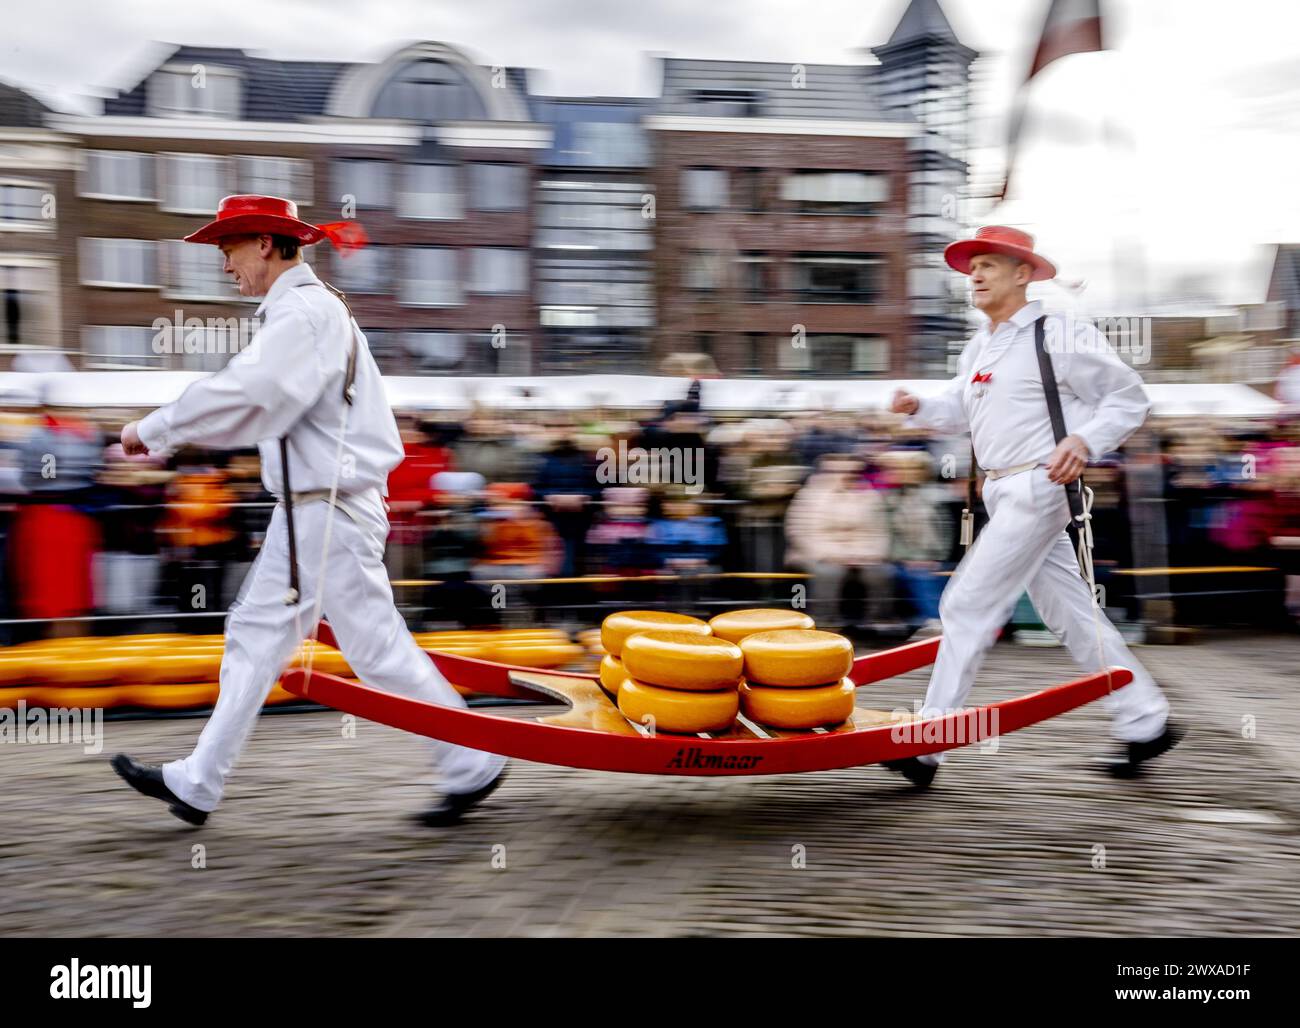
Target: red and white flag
x,y
1071,27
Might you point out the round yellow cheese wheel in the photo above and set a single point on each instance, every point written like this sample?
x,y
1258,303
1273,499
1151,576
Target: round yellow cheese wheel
x,y
735,625
86,669
170,696
167,667
10,695
683,660
616,628
538,653
490,634
676,710
69,696
815,707
796,657
479,651
612,674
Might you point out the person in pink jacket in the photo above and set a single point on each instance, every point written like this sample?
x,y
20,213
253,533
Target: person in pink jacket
x,y
835,525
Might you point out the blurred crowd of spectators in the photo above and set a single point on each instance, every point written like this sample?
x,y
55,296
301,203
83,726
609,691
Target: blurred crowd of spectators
x,y
866,509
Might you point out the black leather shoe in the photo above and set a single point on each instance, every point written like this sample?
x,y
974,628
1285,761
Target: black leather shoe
x,y
915,771
148,779
448,810
1129,762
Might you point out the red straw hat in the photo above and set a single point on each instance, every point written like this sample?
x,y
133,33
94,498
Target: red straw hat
x,y
999,239
270,215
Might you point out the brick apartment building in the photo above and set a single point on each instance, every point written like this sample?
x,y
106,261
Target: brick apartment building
x,y
445,203
781,228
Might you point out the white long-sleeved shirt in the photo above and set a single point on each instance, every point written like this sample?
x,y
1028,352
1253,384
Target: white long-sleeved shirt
x,y
1102,398
290,380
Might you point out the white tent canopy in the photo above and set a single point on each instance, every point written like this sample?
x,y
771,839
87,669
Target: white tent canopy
x,y
144,389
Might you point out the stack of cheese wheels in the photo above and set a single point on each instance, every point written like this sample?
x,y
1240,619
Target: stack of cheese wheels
x,y
795,678
616,629
669,672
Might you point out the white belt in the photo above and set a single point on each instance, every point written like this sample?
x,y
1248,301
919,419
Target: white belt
x,y
312,495
1004,472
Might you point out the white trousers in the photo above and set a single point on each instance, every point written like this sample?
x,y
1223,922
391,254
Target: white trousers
x,y
1023,547
262,633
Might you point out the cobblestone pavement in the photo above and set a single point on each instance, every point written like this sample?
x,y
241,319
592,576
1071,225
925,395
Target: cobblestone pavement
x,y
313,837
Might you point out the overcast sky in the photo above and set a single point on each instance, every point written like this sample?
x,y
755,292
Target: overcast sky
x,y
1200,99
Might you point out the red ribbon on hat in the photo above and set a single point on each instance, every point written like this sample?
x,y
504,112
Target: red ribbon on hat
x,y
345,236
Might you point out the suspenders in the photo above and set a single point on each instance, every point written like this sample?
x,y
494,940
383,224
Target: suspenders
x,y
1073,491
349,393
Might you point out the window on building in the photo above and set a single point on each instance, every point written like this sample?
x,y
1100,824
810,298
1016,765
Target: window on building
x,y
837,278
703,270
704,189
119,262
121,346
207,349
24,205
591,215
430,192
194,183
834,355
367,185
498,187
795,353
928,281
363,271
610,144
435,351
502,353
286,177
196,271
118,174
429,91
198,89
465,353
870,355
835,192
430,277
497,269
29,289
584,351
727,103
591,292
385,345
755,274
202,344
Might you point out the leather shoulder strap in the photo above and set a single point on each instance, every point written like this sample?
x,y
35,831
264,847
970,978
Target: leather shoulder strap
x,y
349,376
1073,491
1048,375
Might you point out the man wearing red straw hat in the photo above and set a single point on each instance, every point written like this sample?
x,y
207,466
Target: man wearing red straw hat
x,y
1037,412
308,393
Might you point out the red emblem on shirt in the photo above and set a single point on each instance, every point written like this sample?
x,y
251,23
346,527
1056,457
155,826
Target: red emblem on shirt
x,y
985,377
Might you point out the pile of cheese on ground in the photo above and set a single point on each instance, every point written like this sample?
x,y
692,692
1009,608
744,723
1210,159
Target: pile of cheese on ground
x,y
675,673
179,671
